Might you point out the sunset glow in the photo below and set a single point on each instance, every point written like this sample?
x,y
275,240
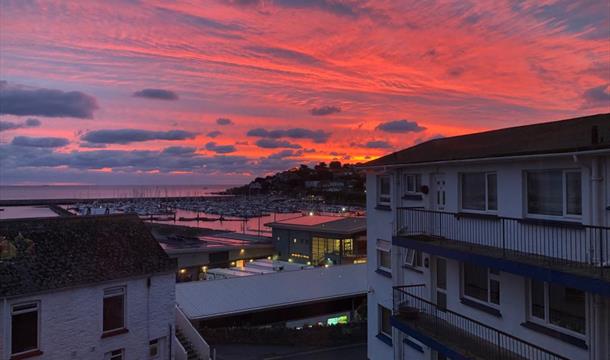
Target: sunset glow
x,y
222,91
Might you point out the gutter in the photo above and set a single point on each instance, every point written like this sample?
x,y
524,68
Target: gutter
x,y
488,159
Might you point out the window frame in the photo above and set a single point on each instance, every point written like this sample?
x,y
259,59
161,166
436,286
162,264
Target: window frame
x,y
381,202
564,191
486,175
123,293
416,182
380,331
546,322
110,356
417,261
491,276
37,306
381,267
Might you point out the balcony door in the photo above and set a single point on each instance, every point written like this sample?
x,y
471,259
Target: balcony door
x,y
439,198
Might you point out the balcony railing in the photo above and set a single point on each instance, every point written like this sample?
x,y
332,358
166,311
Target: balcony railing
x,y
467,337
564,243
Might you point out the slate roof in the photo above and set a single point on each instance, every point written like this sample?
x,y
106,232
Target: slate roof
x,y
578,134
74,251
345,226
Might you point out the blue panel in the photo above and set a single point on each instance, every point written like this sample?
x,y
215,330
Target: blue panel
x,y
429,341
540,273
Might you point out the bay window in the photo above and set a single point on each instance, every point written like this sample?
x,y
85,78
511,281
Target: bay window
x,y
479,191
481,284
558,306
24,328
554,192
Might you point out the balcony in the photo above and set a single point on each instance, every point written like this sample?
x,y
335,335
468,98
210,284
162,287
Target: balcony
x,y
455,335
570,248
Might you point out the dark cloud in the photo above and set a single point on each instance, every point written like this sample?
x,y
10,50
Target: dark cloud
x,y
267,143
400,126
9,125
224,121
324,110
88,145
179,150
285,154
377,144
598,96
220,149
16,157
157,94
22,101
39,142
126,136
214,134
318,136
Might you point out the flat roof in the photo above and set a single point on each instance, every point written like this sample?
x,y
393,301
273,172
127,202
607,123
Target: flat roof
x,y
340,225
26,212
261,292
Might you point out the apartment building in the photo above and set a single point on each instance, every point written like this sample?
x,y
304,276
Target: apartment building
x,y
494,245
85,288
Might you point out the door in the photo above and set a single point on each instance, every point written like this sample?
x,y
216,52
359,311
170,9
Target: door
x,y
439,281
434,219
439,198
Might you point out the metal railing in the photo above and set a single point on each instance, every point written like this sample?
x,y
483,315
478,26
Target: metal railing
x,y
567,243
463,335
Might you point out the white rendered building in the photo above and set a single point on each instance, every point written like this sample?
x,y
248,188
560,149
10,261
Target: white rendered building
x,y
493,245
85,288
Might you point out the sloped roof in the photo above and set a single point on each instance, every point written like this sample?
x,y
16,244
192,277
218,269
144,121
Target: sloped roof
x,y
578,134
56,253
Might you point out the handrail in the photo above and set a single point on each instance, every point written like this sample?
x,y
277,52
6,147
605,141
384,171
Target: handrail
x,y
522,219
189,331
571,244
487,328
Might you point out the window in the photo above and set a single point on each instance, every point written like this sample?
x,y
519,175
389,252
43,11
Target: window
x,y
383,190
384,258
413,183
554,192
479,191
385,326
114,355
557,305
24,328
154,348
413,258
481,283
114,309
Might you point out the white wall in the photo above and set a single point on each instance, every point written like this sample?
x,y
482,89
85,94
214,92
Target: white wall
x,y
511,203
71,320
379,225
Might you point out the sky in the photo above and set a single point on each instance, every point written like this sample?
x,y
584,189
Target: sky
x,y
219,92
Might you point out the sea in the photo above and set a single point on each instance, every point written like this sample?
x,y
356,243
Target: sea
x,y
35,192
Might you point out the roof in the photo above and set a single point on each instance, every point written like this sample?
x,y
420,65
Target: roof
x,y
572,135
327,224
55,253
276,290
20,212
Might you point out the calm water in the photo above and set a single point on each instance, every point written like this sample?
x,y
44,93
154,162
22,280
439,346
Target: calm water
x,y
103,191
